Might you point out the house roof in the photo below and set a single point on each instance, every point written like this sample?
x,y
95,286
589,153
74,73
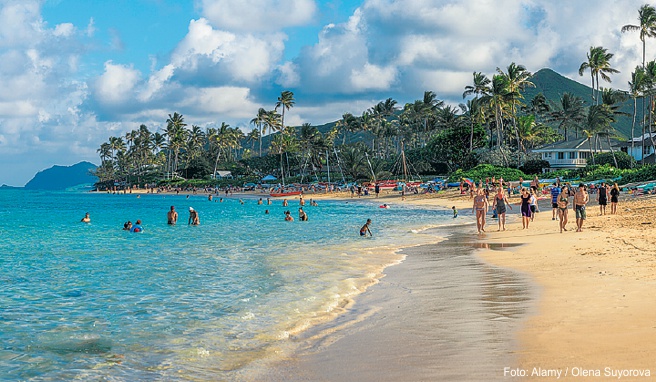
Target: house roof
x,y
580,144
642,137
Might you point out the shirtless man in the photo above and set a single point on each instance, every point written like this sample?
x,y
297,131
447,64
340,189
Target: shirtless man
x,y
365,229
172,216
86,218
480,207
581,198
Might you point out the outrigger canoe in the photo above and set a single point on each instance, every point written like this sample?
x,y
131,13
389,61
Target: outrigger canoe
x,y
289,193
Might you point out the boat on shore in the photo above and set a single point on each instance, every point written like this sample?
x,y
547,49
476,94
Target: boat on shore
x,y
288,193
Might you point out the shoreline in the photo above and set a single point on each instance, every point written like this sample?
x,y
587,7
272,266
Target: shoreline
x,y
595,312
458,328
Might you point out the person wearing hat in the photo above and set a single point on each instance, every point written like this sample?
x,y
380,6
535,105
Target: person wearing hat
x,y
193,217
172,216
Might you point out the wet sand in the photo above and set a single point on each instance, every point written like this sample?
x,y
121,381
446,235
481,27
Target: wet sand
x,y
442,314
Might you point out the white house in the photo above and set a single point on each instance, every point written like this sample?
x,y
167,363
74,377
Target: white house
x,y
569,154
637,151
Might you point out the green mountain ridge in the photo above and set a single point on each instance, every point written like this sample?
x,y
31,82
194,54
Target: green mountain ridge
x,y
552,85
63,177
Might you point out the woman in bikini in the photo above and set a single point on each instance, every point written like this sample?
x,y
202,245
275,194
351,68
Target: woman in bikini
x,y
500,203
563,203
480,208
525,207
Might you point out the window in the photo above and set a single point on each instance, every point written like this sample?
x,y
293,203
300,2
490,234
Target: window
x,y
584,154
572,155
546,155
561,155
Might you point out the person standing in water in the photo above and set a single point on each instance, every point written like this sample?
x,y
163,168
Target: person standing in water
x,y
365,229
86,218
500,203
302,216
480,208
193,217
172,216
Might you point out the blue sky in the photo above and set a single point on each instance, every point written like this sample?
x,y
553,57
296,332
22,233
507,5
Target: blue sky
x,y
75,72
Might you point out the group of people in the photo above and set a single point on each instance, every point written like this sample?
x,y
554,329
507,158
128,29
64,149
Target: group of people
x,y
559,200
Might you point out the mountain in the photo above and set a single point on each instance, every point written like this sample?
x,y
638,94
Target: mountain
x,y
553,85
63,177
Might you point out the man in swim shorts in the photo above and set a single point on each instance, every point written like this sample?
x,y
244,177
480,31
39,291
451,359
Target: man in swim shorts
x,y
172,216
365,229
581,198
555,191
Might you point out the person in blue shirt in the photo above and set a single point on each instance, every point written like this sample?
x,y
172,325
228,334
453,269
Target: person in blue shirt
x,y
555,191
137,228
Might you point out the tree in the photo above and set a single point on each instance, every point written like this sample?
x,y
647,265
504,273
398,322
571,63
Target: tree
x,y
639,82
646,26
285,101
569,114
517,78
599,65
175,133
258,121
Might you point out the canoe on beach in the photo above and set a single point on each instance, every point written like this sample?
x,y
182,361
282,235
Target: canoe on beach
x,y
288,193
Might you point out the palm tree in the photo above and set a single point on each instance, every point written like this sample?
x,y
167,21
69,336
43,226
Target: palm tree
x,y
258,121
517,78
639,82
480,88
253,136
175,133
599,65
285,101
647,26
570,113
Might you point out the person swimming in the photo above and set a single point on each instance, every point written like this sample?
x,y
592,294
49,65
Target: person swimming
x,y
137,228
365,229
127,226
86,218
288,216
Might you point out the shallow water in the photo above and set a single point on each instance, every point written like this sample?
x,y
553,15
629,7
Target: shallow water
x,y
91,301
442,315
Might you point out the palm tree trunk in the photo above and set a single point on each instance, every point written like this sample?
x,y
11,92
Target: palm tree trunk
x,y
591,154
471,137
611,150
635,101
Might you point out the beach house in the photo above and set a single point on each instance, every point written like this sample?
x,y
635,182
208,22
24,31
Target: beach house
x,y
635,148
570,154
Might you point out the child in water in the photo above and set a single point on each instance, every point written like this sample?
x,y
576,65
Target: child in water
x,y
455,212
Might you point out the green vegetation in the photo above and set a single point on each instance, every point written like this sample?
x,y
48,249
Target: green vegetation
x,y
484,171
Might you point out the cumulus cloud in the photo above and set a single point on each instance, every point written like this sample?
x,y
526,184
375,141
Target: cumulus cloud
x,y
256,15
116,83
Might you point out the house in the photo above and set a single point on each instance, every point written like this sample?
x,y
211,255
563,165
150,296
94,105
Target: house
x,y
638,149
570,154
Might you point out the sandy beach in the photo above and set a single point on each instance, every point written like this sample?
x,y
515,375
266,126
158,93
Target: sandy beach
x,y
592,314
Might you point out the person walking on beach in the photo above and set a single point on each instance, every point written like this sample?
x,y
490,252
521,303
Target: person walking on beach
x,y
563,206
534,204
555,191
172,216
194,219
614,198
480,208
455,212
499,204
581,198
525,207
602,198
365,229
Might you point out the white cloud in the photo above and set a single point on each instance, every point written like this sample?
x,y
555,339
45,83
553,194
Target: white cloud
x,y
373,77
256,15
64,30
117,83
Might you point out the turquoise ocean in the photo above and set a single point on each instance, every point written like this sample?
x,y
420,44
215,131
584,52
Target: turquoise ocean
x,y
209,302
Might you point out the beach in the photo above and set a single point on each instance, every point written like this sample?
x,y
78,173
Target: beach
x,y
590,311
